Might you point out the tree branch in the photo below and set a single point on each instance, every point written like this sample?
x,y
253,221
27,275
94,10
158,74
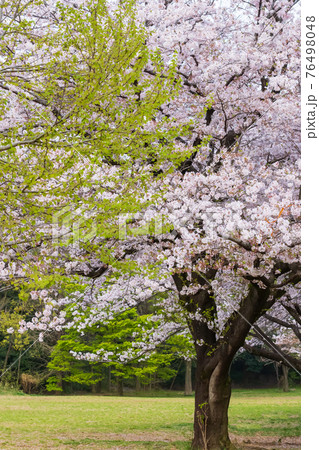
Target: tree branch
x,y
273,356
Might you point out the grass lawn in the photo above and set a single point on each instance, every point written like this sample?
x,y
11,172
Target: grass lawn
x,y
39,422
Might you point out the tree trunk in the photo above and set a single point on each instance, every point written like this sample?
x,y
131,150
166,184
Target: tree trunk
x,y
108,379
188,378
215,354
277,374
96,388
59,383
18,372
219,397
285,382
138,385
173,381
202,419
212,396
119,386
6,358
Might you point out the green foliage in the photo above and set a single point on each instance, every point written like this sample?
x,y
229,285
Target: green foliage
x,y
89,119
16,340
116,338
181,346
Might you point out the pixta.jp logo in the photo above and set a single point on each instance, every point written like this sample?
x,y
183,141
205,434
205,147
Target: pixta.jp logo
x,y
69,227
134,225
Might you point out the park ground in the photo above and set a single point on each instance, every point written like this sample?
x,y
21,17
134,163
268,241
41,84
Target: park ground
x,y
259,419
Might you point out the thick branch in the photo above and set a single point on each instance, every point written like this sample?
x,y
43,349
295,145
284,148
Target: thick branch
x,y
293,327
274,356
238,326
293,312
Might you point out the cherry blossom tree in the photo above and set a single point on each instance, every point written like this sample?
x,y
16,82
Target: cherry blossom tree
x,y
216,240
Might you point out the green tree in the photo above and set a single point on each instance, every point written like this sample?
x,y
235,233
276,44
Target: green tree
x,y
79,116
114,338
12,311
21,353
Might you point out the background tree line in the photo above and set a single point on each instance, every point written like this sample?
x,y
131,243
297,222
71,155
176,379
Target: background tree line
x,y
50,367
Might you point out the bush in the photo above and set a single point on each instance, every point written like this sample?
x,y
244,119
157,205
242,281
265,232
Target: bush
x,y
29,383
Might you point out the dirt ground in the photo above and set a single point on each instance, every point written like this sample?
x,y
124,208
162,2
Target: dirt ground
x,y
160,439
148,440
259,442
